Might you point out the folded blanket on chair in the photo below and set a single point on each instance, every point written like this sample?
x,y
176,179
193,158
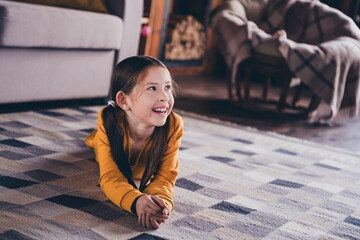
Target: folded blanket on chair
x,y
321,47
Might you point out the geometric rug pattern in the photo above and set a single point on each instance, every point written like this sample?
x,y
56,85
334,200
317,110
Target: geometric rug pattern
x,y
234,183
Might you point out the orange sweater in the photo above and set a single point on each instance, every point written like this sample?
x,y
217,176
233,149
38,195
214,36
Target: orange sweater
x,y
115,185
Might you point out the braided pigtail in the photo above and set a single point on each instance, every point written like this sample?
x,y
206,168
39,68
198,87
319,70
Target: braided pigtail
x,y
115,135
157,150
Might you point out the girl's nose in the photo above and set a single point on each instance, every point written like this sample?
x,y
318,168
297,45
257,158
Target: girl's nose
x,y
163,96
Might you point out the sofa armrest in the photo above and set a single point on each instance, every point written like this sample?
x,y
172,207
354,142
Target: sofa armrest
x,y
131,11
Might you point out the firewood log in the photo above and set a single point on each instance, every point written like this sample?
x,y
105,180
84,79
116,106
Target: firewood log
x,y
185,38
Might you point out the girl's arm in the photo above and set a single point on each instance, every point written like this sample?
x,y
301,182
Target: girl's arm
x,y
164,180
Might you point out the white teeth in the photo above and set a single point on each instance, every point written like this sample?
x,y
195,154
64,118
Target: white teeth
x,y
162,110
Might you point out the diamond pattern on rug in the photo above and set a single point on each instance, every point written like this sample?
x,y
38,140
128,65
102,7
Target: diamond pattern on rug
x,y
105,211
13,183
254,230
12,134
15,143
286,183
229,207
38,151
14,124
42,175
71,201
58,115
187,184
215,193
353,221
243,141
221,159
327,166
11,234
187,209
146,236
233,183
243,152
280,150
196,224
14,155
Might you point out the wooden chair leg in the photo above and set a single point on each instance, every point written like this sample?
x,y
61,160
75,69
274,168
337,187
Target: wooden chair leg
x,y
298,94
228,78
247,76
266,87
314,103
284,92
239,77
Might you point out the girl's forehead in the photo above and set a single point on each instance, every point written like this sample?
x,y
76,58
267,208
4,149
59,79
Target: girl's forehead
x,y
154,73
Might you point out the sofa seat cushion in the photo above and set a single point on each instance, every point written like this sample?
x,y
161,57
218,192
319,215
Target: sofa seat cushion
x,y
255,9
33,25
234,6
269,48
89,5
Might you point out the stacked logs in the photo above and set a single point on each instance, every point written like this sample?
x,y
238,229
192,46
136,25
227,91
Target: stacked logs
x,y
185,38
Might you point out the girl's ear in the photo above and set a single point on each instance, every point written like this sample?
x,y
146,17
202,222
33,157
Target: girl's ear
x,y
121,100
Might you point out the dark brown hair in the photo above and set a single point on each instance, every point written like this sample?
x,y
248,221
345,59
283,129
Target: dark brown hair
x,y
124,78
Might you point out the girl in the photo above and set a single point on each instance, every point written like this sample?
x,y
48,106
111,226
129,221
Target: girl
x,y
137,140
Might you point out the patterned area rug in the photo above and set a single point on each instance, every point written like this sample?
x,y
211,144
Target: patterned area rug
x,y
234,183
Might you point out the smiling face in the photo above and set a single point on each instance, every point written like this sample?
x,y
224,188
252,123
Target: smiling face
x,y
151,100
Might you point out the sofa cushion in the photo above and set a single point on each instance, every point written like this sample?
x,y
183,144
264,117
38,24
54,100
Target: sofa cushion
x,y
269,48
33,25
234,6
88,5
255,9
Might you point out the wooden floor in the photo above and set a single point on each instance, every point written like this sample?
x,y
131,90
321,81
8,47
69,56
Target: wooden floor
x,y
207,95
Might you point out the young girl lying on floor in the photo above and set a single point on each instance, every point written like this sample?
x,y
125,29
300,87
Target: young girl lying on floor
x,y
137,140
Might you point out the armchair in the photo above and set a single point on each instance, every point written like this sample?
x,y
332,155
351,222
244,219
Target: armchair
x,y
300,39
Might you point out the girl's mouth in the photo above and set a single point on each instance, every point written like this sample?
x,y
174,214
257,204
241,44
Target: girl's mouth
x,y
160,110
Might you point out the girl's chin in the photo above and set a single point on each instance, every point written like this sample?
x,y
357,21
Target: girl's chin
x,y
160,123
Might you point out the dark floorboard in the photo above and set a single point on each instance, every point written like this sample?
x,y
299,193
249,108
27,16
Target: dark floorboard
x,y
207,95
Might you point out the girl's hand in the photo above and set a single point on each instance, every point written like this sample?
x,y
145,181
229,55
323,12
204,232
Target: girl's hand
x,y
147,221
150,211
162,204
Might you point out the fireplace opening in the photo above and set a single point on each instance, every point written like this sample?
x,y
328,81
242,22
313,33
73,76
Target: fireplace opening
x,y
184,32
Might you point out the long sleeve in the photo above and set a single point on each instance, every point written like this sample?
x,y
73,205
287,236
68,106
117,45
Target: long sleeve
x,y
164,179
113,183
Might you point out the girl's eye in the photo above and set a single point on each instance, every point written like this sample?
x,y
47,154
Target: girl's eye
x,y
168,87
152,88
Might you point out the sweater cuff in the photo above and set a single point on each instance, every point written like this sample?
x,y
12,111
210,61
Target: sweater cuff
x,y
133,206
170,205
127,201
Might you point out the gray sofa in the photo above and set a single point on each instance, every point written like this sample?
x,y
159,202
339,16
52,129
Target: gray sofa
x,y
52,53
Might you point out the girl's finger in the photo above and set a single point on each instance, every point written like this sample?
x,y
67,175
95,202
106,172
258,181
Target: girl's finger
x,y
153,209
166,211
139,219
154,206
158,215
154,223
159,219
148,221
161,203
143,220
